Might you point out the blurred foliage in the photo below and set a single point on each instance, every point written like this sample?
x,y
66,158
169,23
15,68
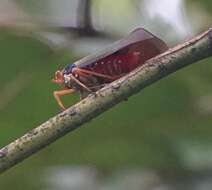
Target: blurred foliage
x,y
140,132
206,4
33,7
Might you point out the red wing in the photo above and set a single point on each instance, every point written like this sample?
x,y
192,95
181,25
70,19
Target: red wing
x,y
135,41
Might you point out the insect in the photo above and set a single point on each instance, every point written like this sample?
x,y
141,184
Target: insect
x,y
94,71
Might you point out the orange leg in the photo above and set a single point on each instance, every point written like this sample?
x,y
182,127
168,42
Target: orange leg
x,y
84,94
58,94
80,83
87,72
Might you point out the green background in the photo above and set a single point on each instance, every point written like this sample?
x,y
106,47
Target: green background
x,y
144,132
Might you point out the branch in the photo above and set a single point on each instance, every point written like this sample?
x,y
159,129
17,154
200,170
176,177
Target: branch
x,y
154,69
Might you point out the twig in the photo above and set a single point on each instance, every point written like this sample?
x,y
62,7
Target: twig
x,y
156,68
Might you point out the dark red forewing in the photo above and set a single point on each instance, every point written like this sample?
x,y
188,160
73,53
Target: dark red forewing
x,y
139,40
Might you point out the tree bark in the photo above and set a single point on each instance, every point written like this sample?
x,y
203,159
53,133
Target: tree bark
x,y
153,70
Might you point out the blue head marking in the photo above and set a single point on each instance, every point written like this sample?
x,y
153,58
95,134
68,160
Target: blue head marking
x,y
68,69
